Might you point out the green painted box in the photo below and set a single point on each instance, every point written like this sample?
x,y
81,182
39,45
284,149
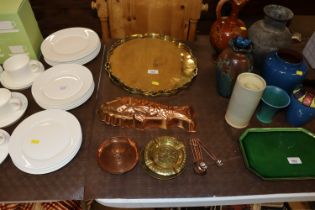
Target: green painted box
x,y
19,31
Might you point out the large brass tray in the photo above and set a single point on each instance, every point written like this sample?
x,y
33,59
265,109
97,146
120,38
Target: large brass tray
x,y
151,64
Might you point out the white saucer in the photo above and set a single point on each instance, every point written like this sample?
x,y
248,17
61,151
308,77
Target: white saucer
x,y
12,117
9,83
45,141
70,44
80,61
4,145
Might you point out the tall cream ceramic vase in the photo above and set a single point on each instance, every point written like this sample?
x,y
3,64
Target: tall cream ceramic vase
x,y
245,98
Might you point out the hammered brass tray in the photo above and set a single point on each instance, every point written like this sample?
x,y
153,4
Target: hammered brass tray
x,y
151,64
164,157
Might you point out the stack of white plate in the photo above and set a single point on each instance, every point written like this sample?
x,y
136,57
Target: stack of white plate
x,y
4,145
71,45
45,141
65,86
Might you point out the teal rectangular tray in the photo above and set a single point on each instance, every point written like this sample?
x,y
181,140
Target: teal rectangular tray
x,y
279,153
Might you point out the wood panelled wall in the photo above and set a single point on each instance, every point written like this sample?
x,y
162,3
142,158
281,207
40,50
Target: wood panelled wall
x,y
53,15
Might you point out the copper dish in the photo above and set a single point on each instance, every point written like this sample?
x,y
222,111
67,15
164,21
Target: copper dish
x,y
164,157
118,155
151,64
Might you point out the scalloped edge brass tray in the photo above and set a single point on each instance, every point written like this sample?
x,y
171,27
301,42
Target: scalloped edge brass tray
x,y
189,65
164,157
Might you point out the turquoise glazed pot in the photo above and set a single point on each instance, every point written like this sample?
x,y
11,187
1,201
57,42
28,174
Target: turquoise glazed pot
x,y
284,68
273,100
232,61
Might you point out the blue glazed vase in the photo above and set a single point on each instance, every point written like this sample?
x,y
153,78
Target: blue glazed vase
x,y
284,68
302,107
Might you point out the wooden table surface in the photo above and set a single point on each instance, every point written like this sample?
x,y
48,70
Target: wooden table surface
x,y
83,179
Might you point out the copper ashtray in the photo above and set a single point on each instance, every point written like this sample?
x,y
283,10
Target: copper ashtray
x,y
164,157
118,155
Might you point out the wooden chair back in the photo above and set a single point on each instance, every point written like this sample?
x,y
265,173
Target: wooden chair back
x,y
177,18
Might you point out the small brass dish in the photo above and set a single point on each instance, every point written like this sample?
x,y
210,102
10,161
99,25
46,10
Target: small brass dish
x,y
153,174
118,155
164,157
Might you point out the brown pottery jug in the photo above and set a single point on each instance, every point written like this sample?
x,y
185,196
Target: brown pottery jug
x,y
227,27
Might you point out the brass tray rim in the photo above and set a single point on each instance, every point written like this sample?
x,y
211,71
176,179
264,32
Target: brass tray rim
x,y
154,36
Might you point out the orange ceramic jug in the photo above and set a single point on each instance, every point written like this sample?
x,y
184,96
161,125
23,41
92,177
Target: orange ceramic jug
x,y
227,27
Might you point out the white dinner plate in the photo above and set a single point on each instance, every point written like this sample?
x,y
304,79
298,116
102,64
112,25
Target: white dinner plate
x,y
45,141
70,44
11,117
82,100
27,82
81,61
52,168
72,105
4,145
62,85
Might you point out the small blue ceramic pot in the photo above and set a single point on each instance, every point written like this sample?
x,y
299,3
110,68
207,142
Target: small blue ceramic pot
x,y
302,107
284,68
